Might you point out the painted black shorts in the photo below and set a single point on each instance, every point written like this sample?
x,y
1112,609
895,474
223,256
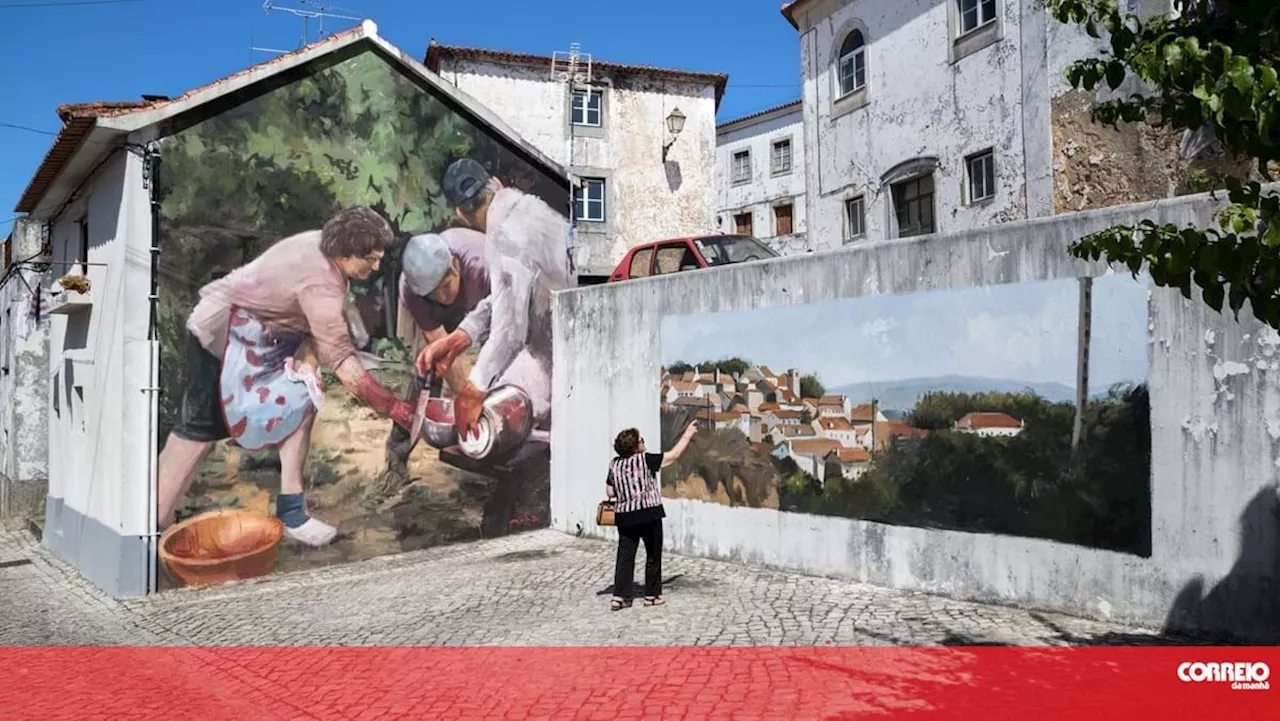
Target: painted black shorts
x,y
201,417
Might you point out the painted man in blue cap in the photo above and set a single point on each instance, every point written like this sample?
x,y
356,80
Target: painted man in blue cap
x,y
524,251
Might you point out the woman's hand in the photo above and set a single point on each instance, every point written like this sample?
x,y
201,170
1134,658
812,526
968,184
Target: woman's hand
x,y
691,431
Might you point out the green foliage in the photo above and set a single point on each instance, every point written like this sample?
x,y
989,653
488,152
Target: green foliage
x,y
936,411
1032,484
811,387
1212,65
356,133
391,350
731,366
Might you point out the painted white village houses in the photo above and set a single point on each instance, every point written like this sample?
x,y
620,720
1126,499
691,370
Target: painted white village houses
x,y
825,437
760,177
940,116
640,182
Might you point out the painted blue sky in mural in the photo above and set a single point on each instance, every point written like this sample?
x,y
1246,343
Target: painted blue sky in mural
x,y
1023,333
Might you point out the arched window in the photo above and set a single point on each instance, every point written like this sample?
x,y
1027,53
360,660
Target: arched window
x,y
853,63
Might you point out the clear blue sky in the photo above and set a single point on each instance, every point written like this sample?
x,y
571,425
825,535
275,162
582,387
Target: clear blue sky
x,y
119,51
1024,332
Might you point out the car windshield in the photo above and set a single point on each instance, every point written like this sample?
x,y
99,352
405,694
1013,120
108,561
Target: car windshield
x,y
726,249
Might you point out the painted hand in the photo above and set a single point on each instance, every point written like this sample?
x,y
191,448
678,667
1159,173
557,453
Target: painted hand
x,y
441,354
467,406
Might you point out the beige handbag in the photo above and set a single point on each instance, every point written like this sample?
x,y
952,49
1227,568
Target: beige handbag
x,y
604,514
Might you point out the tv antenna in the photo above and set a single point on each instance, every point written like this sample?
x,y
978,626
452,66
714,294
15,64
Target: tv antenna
x,y
572,67
309,10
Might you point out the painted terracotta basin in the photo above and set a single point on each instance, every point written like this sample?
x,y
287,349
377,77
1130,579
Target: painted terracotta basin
x,y
228,544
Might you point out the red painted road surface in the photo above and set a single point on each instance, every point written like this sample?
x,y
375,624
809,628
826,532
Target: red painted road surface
x,y
624,683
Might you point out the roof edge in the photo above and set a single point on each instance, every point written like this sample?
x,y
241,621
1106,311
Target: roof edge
x,y
760,116
436,52
122,118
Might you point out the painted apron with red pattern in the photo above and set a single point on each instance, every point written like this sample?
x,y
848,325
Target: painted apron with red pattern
x,y
263,403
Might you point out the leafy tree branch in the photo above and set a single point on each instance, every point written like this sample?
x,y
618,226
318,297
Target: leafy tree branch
x,y
1209,67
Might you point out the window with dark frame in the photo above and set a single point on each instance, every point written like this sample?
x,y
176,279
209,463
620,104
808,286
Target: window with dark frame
x,y
781,156
981,172
742,223
855,217
975,14
587,108
782,224
913,206
741,166
852,66
588,200
84,247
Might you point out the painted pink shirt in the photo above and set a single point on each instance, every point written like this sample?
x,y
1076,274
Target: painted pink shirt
x,y
291,286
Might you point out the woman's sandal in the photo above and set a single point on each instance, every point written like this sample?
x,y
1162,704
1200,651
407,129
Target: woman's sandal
x,y
654,601
618,604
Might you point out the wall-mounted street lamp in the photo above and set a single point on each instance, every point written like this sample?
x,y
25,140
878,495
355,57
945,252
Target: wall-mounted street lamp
x,y
675,124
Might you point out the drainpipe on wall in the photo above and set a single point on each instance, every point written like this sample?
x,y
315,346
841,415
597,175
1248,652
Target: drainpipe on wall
x,y
573,216
151,182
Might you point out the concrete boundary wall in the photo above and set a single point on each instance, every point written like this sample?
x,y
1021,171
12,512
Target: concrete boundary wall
x,y
1215,410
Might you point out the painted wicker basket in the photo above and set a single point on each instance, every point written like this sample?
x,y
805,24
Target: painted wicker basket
x,y
218,546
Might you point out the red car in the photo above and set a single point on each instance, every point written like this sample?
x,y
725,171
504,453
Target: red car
x,y
680,254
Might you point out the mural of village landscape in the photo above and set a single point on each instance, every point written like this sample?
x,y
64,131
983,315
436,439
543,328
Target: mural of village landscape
x,y
356,134
946,409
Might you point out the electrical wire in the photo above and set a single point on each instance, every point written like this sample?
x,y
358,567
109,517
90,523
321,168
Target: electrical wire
x,y
67,3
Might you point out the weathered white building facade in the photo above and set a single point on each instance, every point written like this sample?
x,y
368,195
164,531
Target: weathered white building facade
x,y
760,174
930,116
640,182
24,387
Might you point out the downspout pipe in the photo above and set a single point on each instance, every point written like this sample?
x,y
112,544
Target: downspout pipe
x,y
151,180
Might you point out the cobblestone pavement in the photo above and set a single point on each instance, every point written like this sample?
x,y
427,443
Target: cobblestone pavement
x,y
539,588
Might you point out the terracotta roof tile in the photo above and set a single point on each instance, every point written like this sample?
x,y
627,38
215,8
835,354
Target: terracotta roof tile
x,y
988,420
851,455
751,116
835,423
818,447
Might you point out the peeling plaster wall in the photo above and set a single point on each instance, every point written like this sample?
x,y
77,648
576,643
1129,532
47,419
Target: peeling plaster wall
x,y
24,386
765,189
646,198
1215,406
921,100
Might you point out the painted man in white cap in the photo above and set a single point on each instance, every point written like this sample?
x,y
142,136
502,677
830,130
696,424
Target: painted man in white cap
x,y
443,278
525,253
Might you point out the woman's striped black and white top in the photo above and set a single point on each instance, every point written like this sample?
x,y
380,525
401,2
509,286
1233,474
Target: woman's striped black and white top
x,y
638,488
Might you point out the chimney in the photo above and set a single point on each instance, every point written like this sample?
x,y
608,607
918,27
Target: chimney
x,y
793,380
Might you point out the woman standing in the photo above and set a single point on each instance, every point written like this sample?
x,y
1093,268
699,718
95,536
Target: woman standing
x,y
634,487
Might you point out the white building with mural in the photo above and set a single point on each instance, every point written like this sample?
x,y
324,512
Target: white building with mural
x,y
617,129
925,116
760,176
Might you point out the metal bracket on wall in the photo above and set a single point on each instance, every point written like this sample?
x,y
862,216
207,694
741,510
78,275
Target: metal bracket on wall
x,y
149,155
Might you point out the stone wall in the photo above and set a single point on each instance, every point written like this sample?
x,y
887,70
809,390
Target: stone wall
x,y
1215,410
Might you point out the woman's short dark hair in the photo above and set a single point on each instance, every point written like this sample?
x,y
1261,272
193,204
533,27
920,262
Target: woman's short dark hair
x,y
355,233
627,443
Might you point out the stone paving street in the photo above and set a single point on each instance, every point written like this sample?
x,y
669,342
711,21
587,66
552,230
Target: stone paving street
x,y
540,588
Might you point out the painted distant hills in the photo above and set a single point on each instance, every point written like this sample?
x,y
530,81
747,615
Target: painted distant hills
x,y
901,395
